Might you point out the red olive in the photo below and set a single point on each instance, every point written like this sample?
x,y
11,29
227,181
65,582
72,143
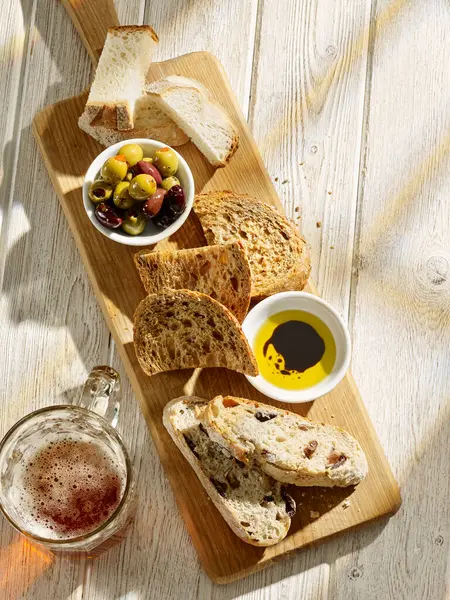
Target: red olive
x,y
107,216
153,205
143,167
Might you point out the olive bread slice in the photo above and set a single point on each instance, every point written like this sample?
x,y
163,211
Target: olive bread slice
x,y
285,445
255,506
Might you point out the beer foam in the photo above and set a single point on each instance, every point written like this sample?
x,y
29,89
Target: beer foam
x,y
69,487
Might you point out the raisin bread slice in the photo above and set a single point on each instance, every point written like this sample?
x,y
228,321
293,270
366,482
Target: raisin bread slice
x,y
254,505
285,445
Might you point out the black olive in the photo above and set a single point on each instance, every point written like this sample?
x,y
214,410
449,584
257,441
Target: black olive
x,y
220,486
232,480
191,445
289,501
264,417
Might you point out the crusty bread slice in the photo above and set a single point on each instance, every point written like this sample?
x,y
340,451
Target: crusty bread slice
x,y
149,122
221,271
253,504
180,329
278,256
194,110
285,445
120,75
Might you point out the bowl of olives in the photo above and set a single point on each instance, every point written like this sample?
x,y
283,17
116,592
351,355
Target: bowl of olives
x,y
138,192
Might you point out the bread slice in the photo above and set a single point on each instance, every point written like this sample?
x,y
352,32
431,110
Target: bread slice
x,y
221,271
278,256
194,110
120,75
149,122
254,505
180,329
285,445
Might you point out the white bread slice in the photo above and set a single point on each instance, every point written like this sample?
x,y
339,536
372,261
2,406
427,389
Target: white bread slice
x,y
194,110
278,256
255,506
120,75
180,329
220,271
149,122
285,445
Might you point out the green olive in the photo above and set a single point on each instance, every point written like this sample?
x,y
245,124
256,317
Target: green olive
x,y
132,152
100,190
129,176
169,182
134,222
166,161
114,170
122,198
142,187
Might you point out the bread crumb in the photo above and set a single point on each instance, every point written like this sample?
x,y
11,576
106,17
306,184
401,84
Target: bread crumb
x,y
345,504
297,208
301,164
284,181
318,224
329,193
276,178
330,506
332,416
331,247
313,514
303,493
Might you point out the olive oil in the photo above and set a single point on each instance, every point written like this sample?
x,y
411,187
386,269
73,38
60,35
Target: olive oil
x,y
295,350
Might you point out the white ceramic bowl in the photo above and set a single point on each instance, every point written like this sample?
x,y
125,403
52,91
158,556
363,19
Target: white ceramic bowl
x,y
324,311
151,234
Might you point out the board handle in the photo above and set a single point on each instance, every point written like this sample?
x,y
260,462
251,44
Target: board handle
x,y
92,19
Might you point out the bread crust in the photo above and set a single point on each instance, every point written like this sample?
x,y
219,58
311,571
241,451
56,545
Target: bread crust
x,y
119,29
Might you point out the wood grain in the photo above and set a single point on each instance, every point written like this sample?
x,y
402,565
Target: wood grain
x,y
92,18
50,328
223,556
307,122
401,303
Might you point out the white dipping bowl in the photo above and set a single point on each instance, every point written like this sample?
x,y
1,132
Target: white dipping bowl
x,y
151,234
324,311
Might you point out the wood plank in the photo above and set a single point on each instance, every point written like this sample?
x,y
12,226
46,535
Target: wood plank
x,y
222,554
50,328
307,121
401,303
306,116
226,29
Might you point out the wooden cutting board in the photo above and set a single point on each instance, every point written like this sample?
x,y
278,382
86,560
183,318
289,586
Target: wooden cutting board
x,y
67,153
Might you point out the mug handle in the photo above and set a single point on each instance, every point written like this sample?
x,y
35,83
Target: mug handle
x,y
101,393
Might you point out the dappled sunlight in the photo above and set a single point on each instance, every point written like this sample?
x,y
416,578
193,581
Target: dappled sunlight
x,y
21,564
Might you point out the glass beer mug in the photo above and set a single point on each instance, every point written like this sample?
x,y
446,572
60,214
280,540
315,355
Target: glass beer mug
x,y
66,480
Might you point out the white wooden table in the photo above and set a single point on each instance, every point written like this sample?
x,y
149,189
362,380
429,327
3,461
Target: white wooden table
x,y
349,102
